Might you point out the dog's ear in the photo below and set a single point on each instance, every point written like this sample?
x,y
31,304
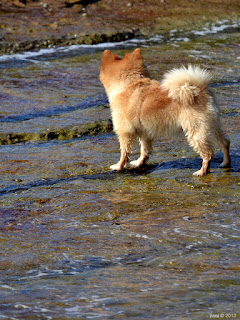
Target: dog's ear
x,y
108,55
136,54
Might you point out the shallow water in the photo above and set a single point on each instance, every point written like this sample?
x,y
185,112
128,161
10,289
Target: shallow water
x,y
81,242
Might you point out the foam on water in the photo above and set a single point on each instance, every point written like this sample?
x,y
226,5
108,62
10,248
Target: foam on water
x,y
220,26
32,56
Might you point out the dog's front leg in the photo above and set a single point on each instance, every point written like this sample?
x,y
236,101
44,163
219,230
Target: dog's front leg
x,y
123,160
146,148
126,141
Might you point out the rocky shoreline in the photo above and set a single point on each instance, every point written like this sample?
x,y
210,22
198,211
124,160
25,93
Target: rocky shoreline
x,y
17,47
28,25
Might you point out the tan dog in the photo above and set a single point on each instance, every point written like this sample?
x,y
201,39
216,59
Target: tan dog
x,y
148,109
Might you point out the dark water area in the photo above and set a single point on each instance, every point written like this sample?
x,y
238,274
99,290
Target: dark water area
x,y
79,241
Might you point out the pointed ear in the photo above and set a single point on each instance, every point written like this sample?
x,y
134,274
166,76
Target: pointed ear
x,y
137,54
108,55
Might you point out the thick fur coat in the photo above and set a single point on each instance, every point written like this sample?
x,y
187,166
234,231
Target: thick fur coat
x,y
148,109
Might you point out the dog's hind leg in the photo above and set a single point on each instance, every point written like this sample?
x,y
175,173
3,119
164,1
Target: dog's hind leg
x,y
146,148
203,147
126,141
224,144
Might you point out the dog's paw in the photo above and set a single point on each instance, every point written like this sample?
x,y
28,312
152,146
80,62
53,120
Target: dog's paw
x,y
135,164
199,173
225,164
116,167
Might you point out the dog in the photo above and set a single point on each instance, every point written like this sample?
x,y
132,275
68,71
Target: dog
x,y
148,109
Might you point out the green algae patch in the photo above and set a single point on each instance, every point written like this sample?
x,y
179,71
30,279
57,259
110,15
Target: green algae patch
x,y
102,126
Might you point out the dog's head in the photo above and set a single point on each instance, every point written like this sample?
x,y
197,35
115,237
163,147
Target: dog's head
x,y
128,68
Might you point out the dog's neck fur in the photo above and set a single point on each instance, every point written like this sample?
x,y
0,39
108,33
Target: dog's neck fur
x,y
114,89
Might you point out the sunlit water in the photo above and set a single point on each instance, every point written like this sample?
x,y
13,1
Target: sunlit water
x,y
81,242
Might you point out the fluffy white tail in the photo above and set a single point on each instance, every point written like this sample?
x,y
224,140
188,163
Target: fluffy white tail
x,y
184,84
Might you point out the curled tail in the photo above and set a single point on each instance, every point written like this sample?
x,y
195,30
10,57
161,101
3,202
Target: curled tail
x,y
184,84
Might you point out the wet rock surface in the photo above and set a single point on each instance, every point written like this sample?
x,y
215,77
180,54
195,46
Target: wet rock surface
x,y
78,241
